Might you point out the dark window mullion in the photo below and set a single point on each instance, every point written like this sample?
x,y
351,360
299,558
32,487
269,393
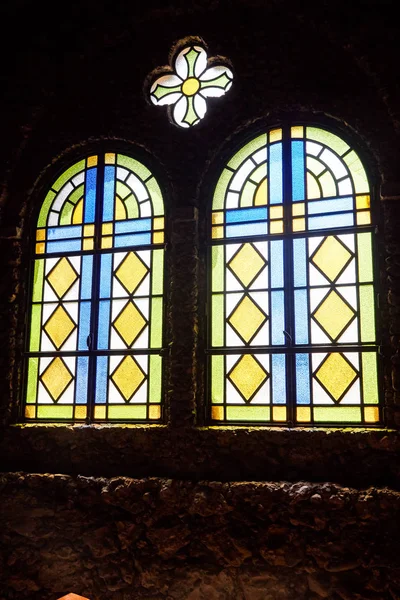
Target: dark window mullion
x,y
95,288
288,274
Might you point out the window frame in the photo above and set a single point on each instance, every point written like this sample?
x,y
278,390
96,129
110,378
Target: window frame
x,y
229,149
44,183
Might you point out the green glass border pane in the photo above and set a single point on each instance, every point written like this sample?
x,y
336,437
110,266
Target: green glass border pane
x,y
327,138
133,165
217,272
36,317
156,197
33,371
127,411
44,211
247,150
217,379
357,173
337,414
68,174
248,413
217,320
38,273
220,189
367,313
155,378
157,278
60,411
365,262
370,378
156,322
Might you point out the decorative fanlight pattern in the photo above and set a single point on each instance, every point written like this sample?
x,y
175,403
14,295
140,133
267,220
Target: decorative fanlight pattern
x,y
186,86
96,314
292,331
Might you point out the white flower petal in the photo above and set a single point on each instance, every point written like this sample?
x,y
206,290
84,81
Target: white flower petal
x,y
200,106
179,112
201,62
212,92
214,72
166,90
181,66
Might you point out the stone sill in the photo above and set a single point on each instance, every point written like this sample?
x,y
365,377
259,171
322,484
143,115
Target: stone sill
x,y
351,456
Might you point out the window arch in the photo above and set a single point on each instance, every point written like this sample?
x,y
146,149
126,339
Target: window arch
x,y
96,310
292,327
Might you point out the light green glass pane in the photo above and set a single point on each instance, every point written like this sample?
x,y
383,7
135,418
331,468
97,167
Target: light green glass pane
x,y
329,139
129,411
35,327
32,380
60,411
220,189
42,220
357,172
247,195
314,165
218,268
66,213
122,190
156,323
338,414
191,59
191,116
217,321
370,378
247,150
217,379
158,272
328,185
77,194
156,197
38,281
133,165
365,265
132,206
76,168
155,379
248,413
260,173
367,313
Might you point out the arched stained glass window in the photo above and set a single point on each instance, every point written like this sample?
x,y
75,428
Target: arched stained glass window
x,y
292,332
96,314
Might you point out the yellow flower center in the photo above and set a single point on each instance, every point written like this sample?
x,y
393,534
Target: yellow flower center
x,y
190,86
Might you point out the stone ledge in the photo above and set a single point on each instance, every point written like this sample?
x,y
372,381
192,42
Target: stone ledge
x,y
350,456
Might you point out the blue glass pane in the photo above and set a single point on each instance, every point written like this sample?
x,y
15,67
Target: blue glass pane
x,y
104,325
60,233
135,239
84,325
90,195
135,225
101,379
331,221
276,263
278,379
81,379
298,171
302,379
86,277
277,318
299,262
63,246
241,215
275,174
326,206
108,203
301,316
248,229
105,276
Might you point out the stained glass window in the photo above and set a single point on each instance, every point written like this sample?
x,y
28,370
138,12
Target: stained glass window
x,y
96,316
292,328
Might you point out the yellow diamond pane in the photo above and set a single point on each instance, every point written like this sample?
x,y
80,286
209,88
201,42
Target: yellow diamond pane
x,y
246,319
127,377
129,323
56,378
331,257
131,272
62,277
333,315
248,376
59,326
247,264
336,375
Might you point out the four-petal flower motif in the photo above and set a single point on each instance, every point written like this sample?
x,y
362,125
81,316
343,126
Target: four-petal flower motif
x,y
185,91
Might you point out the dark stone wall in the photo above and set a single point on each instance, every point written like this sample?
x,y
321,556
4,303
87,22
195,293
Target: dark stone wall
x,y
77,79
